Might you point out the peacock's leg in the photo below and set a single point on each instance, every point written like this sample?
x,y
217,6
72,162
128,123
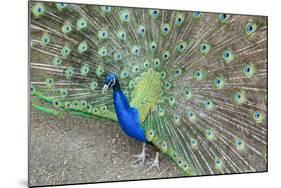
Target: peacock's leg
x,y
141,157
155,163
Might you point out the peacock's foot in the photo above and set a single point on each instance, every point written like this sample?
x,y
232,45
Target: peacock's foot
x,y
141,157
155,163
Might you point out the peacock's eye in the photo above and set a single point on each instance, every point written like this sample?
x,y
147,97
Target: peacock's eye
x,y
82,47
141,30
38,10
193,142
66,28
197,14
156,62
165,29
117,56
124,74
208,104
99,70
60,6
168,85
153,46
210,134
178,72
240,97
106,9
258,117
176,119
250,28
163,75
32,89
93,85
65,51
249,70
150,134
181,47
223,18
49,82
228,56
166,56
188,94
199,75
57,61
45,39
81,24
136,50
154,13
240,144
146,64
219,82
125,16
102,34
191,116
135,69
204,48
172,101
85,69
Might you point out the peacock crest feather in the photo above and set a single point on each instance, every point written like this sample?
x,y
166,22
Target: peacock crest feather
x,y
198,80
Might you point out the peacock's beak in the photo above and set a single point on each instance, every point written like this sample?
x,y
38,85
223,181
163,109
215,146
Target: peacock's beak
x,y
105,87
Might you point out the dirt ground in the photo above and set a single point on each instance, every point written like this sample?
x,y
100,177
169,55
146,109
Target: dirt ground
x,y
73,150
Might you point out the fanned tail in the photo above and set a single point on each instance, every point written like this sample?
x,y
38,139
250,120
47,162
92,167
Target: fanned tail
x,y
212,113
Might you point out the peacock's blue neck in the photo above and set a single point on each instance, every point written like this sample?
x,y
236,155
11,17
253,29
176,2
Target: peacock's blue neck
x,y
116,86
128,118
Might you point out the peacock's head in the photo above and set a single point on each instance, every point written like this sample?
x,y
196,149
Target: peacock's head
x,y
109,81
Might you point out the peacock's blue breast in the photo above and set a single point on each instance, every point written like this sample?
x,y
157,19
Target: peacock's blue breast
x,y
128,117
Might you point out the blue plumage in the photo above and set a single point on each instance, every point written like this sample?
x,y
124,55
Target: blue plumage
x,y
128,118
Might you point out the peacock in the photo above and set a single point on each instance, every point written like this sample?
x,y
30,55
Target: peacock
x,y
191,84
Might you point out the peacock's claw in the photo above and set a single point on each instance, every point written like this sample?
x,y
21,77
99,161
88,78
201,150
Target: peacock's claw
x,y
155,163
141,157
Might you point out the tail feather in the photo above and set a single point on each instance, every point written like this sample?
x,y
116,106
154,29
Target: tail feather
x,y
212,113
